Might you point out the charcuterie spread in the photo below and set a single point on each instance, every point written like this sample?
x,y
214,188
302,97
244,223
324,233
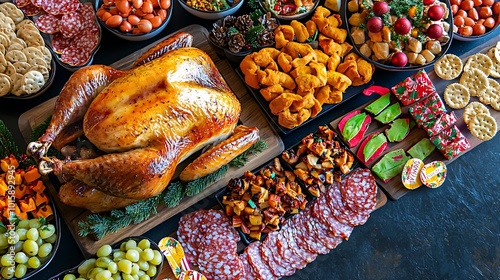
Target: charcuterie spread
x,y
319,228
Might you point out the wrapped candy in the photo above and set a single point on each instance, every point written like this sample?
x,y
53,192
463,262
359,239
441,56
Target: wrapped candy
x,y
451,142
427,109
414,88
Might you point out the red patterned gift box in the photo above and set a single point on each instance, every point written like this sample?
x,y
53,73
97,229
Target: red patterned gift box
x,y
451,142
439,123
427,109
414,88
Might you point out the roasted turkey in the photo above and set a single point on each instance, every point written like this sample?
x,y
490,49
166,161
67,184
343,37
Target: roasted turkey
x,y
146,121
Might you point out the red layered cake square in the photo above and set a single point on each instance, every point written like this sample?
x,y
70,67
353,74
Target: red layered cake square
x,y
451,142
427,109
414,88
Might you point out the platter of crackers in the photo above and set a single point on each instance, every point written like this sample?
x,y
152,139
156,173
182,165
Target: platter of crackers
x,y
26,65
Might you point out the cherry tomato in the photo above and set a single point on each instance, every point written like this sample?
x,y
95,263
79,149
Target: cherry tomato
x,y
465,31
114,21
145,26
148,16
140,13
467,5
458,21
113,11
496,8
155,3
105,16
133,19
478,2
137,4
156,21
454,9
100,12
488,2
462,13
478,29
164,4
162,14
456,2
136,30
147,7
489,22
123,6
485,12
473,14
469,22
125,26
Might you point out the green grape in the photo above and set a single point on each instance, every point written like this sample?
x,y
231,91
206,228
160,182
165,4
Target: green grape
x,y
135,268
122,246
81,278
144,277
45,250
147,254
34,223
157,258
141,272
21,270
32,234
144,244
30,247
116,276
151,271
3,241
103,275
113,267
104,251
8,272
21,257
47,231
34,262
13,238
103,262
21,232
6,260
143,265
19,246
39,241
131,244
118,255
23,224
93,272
125,266
127,277
43,260
86,266
69,277
51,239
132,255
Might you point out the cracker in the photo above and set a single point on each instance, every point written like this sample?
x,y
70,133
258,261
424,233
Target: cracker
x,y
42,69
473,109
479,61
47,56
22,67
475,80
17,88
456,95
2,49
32,37
12,12
19,41
8,32
3,63
10,69
4,40
39,61
33,81
483,126
32,53
5,84
7,22
15,56
448,67
23,22
15,46
494,94
495,69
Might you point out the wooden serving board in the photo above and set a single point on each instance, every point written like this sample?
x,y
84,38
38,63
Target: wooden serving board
x,y
251,115
394,188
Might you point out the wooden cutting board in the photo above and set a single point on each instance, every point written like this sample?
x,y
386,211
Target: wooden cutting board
x,y
251,115
394,188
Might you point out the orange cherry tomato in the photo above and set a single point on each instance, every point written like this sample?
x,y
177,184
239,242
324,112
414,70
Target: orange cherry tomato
x,y
123,6
155,3
125,26
489,22
456,2
478,29
100,12
137,3
136,30
156,21
467,5
480,21
454,9
113,11
478,2
139,13
473,14
164,4
462,13
133,19
114,21
465,31
105,16
147,7
148,16
145,26
488,2
469,22
496,8
162,14
458,21
485,12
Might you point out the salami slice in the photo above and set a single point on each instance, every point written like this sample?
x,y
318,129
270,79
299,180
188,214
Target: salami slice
x,y
278,267
22,3
60,7
329,241
342,213
48,23
218,218
74,56
250,274
71,24
37,3
188,233
254,258
31,10
306,238
304,256
218,258
59,42
324,214
87,13
359,190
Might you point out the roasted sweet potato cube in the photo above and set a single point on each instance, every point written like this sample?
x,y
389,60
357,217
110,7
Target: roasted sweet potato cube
x,y
301,174
239,206
229,211
237,221
255,234
255,220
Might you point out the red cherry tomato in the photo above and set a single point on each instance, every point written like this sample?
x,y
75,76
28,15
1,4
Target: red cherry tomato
x,y
155,3
496,8
469,22
105,16
156,21
489,22
478,2
137,3
114,21
454,9
148,16
458,21
473,14
147,7
125,26
467,5
456,2
123,6
478,29
485,12
162,14
462,13
145,26
465,31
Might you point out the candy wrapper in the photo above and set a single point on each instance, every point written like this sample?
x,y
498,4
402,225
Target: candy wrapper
x,y
433,174
414,88
427,109
439,123
410,176
451,142
174,253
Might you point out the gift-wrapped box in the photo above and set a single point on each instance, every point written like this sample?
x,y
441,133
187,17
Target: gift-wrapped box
x,y
451,142
427,109
414,88
439,123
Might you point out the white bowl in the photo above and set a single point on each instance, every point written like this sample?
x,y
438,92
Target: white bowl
x,y
212,15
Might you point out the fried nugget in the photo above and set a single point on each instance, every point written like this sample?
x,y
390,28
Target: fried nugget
x,y
283,102
301,33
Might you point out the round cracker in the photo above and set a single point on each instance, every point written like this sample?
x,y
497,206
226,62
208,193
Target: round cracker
x,y
4,40
475,80
42,69
17,88
15,56
495,69
22,67
10,69
448,67
5,84
32,53
3,64
2,49
473,109
47,56
12,12
479,61
456,95
483,126
19,41
494,94
32,37
33,81
15,46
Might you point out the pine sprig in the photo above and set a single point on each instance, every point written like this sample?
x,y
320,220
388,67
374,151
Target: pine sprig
x,y
7,143
38,131
173,194
256,148
195,187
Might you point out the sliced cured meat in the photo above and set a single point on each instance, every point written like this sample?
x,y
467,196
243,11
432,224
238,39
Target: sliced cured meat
x,y
302,254
188,234
278,267
255,259
48,23
22,3
88,39
87,13
31,10
220,220
218,258
58,7
310,238
74,56
359,190
59,42
329,241
342,213
250,273
283,247
37,3
323,212
71,24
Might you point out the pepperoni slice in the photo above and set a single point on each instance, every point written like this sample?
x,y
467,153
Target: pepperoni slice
x,y
58,7
341,212
37,3
71,24
305,238
254,258
87,13
48,23
22,3
330,242
278,266
294,234
324,214
31,10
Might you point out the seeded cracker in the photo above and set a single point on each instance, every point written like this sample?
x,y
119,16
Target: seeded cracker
x,y
475,80
494,94
495,69
483,126
448,67
473,109
479,61
456,96
5,84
